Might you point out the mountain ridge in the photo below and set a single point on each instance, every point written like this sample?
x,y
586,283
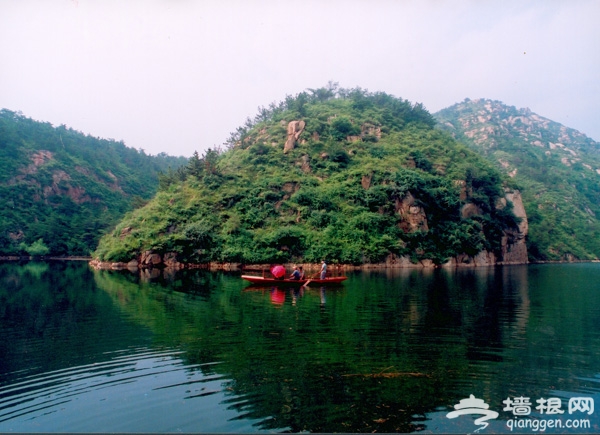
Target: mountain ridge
x,y
62,189
556,167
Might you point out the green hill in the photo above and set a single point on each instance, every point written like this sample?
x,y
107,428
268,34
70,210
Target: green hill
x,y
61,189
556,168
347,175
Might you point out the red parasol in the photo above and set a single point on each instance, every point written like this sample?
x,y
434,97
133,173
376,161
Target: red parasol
x,y
278,271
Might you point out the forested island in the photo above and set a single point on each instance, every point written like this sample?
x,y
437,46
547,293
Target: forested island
x,y
349,176
354,177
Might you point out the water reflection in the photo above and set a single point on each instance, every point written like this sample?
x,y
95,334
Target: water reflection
x,y
280,296
390,352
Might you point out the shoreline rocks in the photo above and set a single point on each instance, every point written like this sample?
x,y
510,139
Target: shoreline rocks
x,y
168,261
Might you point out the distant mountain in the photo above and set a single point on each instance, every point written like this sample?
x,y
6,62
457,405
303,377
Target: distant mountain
x,y
61,189
556,168
341,174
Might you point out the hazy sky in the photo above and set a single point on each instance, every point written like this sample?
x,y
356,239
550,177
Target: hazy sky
x,y
178,76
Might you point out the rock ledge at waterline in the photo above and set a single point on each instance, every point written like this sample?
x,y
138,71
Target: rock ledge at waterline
x,y
514,251
484,258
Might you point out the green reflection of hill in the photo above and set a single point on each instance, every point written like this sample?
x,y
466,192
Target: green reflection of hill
x,y
52,317
345,360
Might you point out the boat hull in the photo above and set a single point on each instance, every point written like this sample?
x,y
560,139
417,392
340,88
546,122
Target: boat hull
x,y
293,282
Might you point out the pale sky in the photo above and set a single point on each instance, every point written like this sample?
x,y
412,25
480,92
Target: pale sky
x,y
178,76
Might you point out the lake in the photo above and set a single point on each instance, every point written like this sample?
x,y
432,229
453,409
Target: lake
x,y
392,351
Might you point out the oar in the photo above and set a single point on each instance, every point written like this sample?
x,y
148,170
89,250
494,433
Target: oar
x,y
308,282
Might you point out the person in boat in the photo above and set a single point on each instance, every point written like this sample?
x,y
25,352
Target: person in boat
x,y
302,274
295,274
323,269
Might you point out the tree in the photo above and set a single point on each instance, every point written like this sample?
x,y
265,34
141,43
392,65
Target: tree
x,y
210,159
342,127
194,166
36,249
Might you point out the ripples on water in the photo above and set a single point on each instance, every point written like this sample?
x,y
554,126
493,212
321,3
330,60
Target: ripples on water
x,y
387,352
132,388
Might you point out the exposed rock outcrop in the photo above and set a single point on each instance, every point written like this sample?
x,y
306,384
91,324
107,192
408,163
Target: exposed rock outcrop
x,y
150,259
413,215
305,163
513,246
294,130
371,130
37,159
366,180
514,249
469,210
61,185
170,261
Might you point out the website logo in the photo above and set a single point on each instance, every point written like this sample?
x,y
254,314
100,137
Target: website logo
x,y
521,408
474,406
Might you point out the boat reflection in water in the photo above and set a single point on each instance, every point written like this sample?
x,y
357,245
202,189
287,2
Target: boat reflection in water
x,y
278,295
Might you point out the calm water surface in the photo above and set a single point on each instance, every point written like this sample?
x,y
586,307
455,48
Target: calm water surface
x,y
99,351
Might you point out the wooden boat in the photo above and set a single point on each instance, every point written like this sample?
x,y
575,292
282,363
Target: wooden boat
x,y
298,282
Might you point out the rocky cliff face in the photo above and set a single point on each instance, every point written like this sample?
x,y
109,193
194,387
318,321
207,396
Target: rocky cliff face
x,y
556,168
60,183
514,247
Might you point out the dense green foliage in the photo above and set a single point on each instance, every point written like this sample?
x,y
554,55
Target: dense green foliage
x,y
556,168
61,189
336,195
